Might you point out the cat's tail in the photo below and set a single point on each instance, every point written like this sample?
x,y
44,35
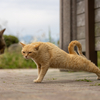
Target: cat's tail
x,y
71,48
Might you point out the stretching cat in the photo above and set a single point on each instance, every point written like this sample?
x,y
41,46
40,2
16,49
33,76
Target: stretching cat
x,y
2,42
47,55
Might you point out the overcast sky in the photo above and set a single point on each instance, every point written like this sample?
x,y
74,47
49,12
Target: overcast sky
x,y
32,17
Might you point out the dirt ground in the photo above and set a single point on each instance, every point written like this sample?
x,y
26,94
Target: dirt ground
x,y
18,85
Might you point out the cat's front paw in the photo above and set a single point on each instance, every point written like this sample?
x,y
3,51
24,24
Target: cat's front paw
x,y
37,81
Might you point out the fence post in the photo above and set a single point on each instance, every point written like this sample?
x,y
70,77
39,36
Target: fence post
x,y
73,20
90,31
65,24
61,25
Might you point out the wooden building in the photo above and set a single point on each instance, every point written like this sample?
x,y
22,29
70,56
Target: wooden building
x,y
80,20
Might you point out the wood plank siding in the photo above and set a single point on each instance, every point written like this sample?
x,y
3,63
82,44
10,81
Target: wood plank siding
x,y
73,24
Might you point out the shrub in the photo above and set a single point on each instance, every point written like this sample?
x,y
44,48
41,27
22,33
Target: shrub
x,y
10,39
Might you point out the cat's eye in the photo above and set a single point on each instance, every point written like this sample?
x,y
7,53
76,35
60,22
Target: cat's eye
x,y
23,52
30,52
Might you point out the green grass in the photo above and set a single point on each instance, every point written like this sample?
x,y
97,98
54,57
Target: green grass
x,y
98,55
52,79
85,80
96,84
15,60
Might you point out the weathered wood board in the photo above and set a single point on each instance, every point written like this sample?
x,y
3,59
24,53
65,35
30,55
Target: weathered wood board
x,y
97,15
97,29
80,32
81,20
65,24
97,3
97,44
79,0
81,7
81,4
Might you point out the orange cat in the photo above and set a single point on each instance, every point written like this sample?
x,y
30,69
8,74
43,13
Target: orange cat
x,y
2,42
47,55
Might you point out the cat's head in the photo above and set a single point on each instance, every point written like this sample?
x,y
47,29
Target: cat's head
x,y
2,42
30,51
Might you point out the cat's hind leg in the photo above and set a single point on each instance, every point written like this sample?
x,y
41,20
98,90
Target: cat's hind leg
x,y
93,68
98,76
97,72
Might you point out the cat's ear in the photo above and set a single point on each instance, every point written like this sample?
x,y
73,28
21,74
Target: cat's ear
x,y
22,44
1,32
37,46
